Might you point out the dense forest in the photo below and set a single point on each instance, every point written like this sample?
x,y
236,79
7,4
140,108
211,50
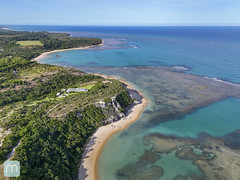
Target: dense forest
x,y
49,131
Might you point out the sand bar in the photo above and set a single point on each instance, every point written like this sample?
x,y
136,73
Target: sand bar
x,y
96,143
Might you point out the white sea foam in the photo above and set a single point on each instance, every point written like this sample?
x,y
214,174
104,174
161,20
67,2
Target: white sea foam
x,y
222,81
216,79
134,46
182,68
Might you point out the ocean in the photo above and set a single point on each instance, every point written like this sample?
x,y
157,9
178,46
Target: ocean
x,y
191,77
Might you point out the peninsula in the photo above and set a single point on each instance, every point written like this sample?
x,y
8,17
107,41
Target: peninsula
x,y
48,112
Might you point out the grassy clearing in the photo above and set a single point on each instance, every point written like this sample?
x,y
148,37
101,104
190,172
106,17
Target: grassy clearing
x,y
33,103
88,86
29,43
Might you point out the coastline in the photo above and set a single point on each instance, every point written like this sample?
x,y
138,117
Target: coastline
x,y
44,55
89,164
220,152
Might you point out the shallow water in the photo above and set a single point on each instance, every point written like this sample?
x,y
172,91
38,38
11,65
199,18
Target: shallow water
x,y
219,119
181,105
173,94
173,166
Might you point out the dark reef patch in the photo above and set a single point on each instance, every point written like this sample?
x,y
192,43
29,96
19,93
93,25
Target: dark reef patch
x,y
232,140
212,157
143,169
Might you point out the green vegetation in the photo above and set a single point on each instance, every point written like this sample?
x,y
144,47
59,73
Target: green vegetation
x,y
107,100
52,131
29,43
124,100
88,86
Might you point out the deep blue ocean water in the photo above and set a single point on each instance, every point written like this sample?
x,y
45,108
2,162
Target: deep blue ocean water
x,y
204,51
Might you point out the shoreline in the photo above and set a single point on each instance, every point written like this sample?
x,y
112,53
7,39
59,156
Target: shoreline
x,y
89,164
44,55
93,148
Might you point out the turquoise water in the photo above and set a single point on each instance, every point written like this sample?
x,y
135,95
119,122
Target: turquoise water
x,y
181,167
205,51
127,151
217,120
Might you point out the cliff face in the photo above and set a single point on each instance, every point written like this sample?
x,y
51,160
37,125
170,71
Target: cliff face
x,y
113,110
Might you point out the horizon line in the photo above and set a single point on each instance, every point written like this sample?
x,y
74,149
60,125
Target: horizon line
x,y
159,25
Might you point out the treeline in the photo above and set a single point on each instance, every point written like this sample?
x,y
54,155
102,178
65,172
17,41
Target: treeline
x,y
56,43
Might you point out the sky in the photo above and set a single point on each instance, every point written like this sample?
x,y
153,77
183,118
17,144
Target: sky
x,y
120,12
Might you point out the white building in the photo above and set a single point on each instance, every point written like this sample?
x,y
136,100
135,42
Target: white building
x,y
77,90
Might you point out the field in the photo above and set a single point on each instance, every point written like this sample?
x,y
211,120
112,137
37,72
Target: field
x,y
88,86
29,43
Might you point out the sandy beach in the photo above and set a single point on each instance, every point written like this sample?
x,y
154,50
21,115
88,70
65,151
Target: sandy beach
x,y
44,55
89,169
